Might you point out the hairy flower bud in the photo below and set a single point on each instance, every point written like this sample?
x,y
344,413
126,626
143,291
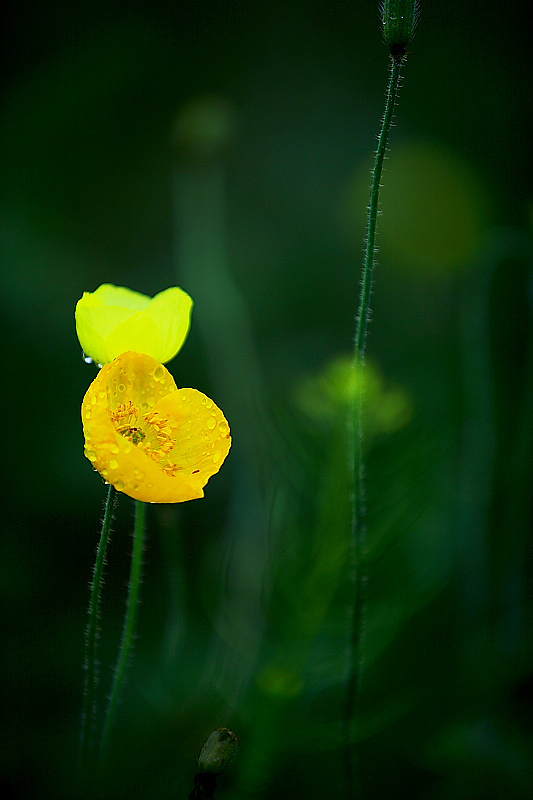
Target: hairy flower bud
x,y
219,749
399,18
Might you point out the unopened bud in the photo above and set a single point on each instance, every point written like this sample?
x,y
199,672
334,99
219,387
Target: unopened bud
x,y
399,19
218,751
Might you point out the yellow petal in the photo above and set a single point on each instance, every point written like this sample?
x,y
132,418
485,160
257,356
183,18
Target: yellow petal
x,y
120,296
171,310
202,437
114,319
115,441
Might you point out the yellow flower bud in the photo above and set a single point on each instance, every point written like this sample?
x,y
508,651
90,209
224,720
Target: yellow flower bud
x,y
114,319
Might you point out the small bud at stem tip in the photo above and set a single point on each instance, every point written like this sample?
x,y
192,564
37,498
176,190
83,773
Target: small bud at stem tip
x,y
399,19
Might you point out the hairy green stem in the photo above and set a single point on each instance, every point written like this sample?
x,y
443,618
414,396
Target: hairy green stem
x,y
357,538
91,635
129,627
368,264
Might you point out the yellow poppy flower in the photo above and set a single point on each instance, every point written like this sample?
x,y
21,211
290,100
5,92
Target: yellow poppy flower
x,y
114,319
147,438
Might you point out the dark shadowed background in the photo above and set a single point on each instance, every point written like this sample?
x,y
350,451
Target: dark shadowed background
x,y
225,147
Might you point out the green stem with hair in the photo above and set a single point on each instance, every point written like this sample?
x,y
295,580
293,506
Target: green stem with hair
x,y
128,632
369,260
357,537
91,636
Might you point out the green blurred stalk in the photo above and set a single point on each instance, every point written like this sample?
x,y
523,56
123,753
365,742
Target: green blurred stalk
x,y
203,137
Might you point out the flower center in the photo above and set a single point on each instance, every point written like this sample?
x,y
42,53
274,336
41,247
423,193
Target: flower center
x,y
125,418
135,435
158,432
152,432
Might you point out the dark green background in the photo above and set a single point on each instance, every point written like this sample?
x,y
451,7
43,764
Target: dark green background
x,y
226,147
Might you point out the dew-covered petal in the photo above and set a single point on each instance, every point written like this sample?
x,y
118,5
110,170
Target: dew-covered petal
x,y
202,440
116,414
133,381
135,377
131,471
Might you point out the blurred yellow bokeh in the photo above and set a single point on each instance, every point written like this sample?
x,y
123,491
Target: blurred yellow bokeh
x,y
387,407
433,209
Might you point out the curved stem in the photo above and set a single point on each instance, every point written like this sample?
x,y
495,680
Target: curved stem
x,y
91,634
368,264
129,627
357,538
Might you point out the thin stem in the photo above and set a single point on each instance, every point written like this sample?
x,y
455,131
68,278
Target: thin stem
x,y
368,264
91,634
129,627
357,539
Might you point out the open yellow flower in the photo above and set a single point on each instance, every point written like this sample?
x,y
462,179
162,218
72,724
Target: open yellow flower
x,y
150,440
114,319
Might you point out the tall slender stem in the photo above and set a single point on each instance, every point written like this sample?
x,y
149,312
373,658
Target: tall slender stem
x,y
129,627
91,635
357,539
368,264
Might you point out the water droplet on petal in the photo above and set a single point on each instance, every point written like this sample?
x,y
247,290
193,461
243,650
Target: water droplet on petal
x,y
211,423
208,403
87,359
119,485
114,448
113,464
216,456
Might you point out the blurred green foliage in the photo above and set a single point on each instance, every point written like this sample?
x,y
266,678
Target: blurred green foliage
x,y
225,147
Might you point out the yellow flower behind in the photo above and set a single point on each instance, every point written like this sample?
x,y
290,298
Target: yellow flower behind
x,y
114,319
150,440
